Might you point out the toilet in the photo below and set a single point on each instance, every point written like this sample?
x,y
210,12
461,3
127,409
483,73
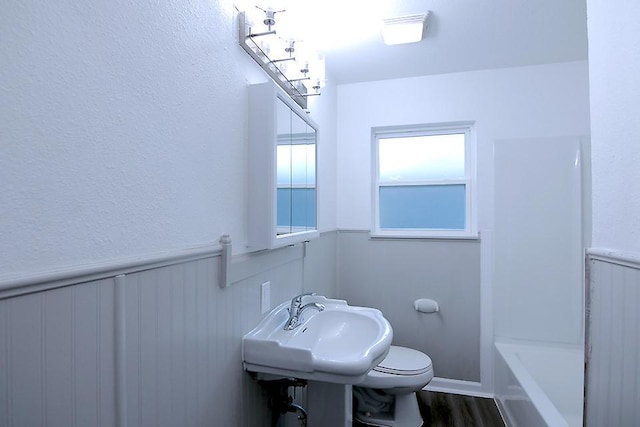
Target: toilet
x,y
387,396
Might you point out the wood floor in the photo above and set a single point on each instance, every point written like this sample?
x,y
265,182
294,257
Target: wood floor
x,y
452,410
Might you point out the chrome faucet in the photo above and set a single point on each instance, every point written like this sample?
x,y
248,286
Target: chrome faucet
x,y
296,309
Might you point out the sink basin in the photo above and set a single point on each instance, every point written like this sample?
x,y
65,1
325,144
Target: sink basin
x,y
340,344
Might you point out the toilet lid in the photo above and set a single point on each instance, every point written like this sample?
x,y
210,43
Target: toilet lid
x,y
404,361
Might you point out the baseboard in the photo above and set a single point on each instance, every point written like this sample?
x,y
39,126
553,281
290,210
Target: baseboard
x,y
467,388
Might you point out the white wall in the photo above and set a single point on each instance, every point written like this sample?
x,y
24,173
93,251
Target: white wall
x,y
537,101
124,131
614,67
528,102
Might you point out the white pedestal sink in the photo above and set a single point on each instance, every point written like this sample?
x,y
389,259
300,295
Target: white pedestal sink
x,y
339,344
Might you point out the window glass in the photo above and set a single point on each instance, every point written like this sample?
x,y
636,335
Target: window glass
x,y
421,157
423,206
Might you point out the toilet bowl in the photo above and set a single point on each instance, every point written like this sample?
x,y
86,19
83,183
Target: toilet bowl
x,y
387,396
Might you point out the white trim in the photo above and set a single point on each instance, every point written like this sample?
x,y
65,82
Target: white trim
x,y
25,284
297,139
487,357
293,229
433,182
296,186
424,128
418,233
467,388
242,267
404,238
628,259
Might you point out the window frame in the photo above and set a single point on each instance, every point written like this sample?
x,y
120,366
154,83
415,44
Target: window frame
x,y
469,181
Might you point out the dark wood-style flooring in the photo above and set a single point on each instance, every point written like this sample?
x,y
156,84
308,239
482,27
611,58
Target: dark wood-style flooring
x,y
453,410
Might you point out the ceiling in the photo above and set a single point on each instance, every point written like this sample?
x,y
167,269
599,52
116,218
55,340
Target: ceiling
x,y
463,35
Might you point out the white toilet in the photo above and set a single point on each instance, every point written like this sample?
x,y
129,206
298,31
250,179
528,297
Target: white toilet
x,y
387,396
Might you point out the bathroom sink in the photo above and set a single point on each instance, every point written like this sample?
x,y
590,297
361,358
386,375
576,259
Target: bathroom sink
x,y
339,344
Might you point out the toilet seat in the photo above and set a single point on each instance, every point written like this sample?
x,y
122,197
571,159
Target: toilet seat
x,y
402,369
404,361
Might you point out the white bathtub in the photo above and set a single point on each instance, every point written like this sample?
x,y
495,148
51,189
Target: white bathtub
x,y
538,385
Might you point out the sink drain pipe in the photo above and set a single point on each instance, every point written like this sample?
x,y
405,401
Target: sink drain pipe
x,y
295,407
281,402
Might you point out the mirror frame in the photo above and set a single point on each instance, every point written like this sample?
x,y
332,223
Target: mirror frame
x,y
263,141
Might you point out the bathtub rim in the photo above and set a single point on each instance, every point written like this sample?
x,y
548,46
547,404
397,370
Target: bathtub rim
x,y
545,408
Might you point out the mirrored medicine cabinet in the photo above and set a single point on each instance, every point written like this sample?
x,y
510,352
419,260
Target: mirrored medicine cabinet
x,y
283,191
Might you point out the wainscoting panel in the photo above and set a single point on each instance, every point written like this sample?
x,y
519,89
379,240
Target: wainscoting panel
x,y
391,274
160,346
56,357
183,343
613,340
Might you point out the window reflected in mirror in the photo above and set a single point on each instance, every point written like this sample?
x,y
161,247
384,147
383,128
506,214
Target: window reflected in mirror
x,y
296,173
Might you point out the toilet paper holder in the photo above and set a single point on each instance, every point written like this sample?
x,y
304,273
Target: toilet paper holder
x,y
425,305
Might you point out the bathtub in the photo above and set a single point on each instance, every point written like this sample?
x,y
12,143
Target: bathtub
x,y
538,385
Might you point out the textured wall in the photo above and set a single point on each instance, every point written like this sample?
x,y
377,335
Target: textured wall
x,y
123,131
614,66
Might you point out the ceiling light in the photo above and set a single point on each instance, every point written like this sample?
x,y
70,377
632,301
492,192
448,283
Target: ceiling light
x,y
404,29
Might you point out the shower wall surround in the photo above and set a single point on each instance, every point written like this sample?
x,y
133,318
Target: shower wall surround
x,y
539,239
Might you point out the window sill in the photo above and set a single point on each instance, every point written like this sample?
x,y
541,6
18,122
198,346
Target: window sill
x,y
432,237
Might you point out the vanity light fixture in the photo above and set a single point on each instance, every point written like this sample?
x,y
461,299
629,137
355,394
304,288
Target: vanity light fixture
x,y
284,55
405,29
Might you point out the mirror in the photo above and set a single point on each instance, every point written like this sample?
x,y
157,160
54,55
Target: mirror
x,y
295,172
283,186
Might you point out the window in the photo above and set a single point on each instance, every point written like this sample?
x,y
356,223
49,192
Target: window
x,y
423,181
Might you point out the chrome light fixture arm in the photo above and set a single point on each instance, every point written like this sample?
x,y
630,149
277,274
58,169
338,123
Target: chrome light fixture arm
x,y
287,78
